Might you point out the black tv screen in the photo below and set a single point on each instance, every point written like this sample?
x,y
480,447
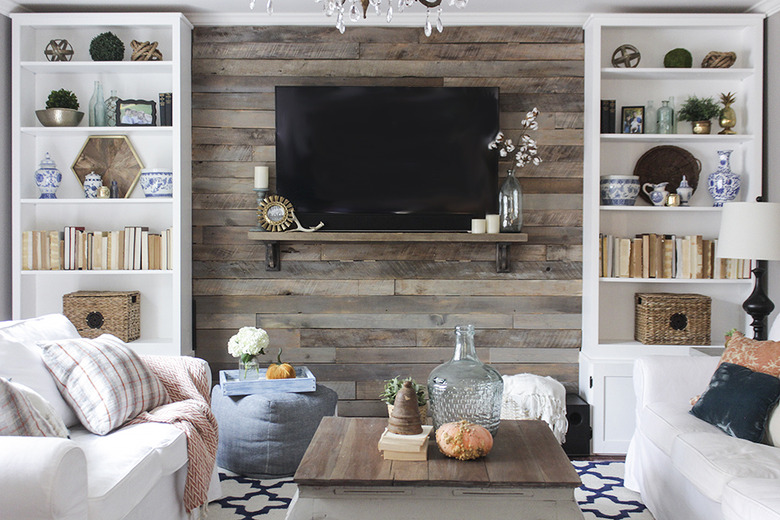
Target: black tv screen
x,y
387,158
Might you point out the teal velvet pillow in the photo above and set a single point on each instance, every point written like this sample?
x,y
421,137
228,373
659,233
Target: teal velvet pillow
x,y
738,401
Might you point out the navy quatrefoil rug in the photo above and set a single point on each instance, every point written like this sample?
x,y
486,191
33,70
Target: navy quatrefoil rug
x,y
601,495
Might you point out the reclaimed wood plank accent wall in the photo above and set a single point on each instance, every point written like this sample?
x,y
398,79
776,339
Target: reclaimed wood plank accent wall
x,y
357,314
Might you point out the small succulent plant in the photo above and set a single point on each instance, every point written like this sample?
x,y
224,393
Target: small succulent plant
x,y
62,99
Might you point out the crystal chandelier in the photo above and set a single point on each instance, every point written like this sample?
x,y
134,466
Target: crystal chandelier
x,y
353,8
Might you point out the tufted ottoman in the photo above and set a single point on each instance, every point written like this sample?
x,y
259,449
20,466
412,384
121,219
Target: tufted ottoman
x,y
265,435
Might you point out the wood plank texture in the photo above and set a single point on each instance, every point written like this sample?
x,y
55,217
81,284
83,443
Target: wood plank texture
x,y
357,313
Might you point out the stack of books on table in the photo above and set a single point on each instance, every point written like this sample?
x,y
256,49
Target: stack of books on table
x,y
405,447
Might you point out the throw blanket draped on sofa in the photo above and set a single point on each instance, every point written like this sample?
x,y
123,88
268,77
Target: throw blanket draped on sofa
x,y
187,383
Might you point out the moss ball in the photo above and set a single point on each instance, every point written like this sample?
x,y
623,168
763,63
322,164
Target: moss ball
x,y
678,59
106,47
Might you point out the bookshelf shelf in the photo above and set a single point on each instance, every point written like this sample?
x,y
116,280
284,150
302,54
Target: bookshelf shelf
x,y
662,209
166,295
692,74
676,138
686,281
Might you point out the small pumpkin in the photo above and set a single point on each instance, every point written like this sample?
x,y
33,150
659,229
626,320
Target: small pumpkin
x,y
280,370
464,440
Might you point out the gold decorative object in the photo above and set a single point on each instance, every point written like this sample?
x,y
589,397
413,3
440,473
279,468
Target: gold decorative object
x,y
673,199
145,51
701,127
405,418
104,192
275,213
728,117
626,56
113,158
58,50
719,60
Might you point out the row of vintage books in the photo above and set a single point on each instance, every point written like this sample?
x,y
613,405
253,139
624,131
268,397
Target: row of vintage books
x,y
74,248
652,255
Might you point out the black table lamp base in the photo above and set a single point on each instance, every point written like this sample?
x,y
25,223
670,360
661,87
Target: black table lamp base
x,y
759,306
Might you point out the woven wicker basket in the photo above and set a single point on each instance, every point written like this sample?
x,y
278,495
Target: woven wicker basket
x,y
104,312
672,319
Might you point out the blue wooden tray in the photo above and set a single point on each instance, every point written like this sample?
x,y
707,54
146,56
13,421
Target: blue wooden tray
x,y
304,381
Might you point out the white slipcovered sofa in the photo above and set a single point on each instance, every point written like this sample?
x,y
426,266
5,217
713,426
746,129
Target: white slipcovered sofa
x,y
134,472
688,469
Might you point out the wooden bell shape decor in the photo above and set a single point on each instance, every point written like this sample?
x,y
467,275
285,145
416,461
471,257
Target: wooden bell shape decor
x,y
405,418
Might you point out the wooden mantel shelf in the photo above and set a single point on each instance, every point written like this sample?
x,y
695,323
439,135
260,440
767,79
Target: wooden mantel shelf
x,y
273,250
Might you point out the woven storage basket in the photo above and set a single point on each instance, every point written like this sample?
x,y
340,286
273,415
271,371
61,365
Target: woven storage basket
x,y
104,312
672,319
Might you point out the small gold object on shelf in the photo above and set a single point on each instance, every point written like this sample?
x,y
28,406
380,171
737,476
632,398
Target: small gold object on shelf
x,y
104,192
719,60
275,213
626,56
145,51
58,50
728,117
673,199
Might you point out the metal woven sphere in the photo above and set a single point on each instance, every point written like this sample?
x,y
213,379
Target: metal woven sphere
x,y
626,56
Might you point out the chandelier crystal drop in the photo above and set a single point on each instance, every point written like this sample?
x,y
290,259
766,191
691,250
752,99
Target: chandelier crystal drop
x,y
353,11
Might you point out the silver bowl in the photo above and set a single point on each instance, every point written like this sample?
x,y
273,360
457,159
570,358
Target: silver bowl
x,y
59,117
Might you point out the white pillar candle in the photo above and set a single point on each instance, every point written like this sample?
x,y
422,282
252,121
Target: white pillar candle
x,y
492,223
478,225
261,177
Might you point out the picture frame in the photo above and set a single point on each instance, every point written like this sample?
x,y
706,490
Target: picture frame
x,y
632,120
136,112
113,158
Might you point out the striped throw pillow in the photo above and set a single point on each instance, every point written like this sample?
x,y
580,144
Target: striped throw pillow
x,y
20,416
105,381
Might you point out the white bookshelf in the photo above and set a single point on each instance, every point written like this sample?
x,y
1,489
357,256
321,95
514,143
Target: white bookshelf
x,y
166,299
608,345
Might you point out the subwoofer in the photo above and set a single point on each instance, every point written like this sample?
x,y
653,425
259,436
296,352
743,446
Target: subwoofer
x,y
579,433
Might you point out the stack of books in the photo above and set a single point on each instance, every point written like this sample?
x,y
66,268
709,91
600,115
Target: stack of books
x,y
405,447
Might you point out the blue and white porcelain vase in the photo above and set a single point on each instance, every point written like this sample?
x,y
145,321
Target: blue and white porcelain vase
x,y
48,178
92,183
723,184
157,182
619,190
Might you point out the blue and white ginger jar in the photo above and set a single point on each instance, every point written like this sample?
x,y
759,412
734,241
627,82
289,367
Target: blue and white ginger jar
x,y
723,184
157,182
92,183
619,190
48,178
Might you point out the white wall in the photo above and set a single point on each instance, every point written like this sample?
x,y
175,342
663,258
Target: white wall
x,y
5,167
772,138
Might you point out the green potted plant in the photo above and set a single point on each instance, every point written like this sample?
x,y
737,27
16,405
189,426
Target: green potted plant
x,y
392,386
699,111
61,109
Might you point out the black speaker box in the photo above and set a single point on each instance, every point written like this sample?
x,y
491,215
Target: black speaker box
x,y
579,433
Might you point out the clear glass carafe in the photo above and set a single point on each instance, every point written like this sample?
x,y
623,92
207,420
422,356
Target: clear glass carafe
x,y
510,204
465,388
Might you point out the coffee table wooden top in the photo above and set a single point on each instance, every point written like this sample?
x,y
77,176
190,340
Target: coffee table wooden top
x,y
344,452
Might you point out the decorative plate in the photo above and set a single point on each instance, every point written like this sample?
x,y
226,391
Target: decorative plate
x,y
667,164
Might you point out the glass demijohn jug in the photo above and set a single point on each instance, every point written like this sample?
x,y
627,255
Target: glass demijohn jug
x,y
465,388
510,204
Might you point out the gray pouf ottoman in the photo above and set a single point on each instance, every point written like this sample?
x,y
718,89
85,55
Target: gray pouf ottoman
x,y
265,435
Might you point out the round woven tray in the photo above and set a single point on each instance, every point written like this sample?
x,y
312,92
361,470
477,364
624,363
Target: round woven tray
x,y
667,164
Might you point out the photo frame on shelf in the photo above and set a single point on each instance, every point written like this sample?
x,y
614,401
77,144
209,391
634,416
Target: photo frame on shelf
x,y
113,158
136,112
632,120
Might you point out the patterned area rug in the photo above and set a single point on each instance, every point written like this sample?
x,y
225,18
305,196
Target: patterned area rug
x,y
602,495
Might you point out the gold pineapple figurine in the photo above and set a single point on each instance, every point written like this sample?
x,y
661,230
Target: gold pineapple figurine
x,y
728,118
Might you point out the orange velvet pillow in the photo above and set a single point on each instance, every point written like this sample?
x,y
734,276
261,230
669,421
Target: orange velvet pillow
x,y
759,356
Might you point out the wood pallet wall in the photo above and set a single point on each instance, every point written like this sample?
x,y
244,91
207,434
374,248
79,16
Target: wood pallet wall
x,y
355,314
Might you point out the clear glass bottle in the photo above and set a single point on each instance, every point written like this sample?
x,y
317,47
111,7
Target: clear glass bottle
x,y
510,204
665,118
674,114
97,107
650,123
111,109
464,387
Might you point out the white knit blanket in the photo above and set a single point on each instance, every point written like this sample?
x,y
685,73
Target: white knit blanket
x,y
528,396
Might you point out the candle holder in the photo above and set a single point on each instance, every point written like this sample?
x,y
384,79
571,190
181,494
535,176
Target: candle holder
x,y
261,192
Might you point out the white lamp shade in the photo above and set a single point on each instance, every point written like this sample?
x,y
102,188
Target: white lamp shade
x,y
750,230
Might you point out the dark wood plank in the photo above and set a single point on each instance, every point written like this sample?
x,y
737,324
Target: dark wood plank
x,y
472,51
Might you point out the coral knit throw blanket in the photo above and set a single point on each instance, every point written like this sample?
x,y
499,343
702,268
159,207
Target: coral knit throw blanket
x,y
187,383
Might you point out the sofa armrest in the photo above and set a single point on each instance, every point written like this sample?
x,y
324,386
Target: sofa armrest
x,y
671,378
42,478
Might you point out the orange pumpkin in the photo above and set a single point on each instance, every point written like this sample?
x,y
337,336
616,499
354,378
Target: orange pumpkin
x,y
464,440
280,370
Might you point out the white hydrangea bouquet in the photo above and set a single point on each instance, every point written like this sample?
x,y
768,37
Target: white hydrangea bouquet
x,y
247,344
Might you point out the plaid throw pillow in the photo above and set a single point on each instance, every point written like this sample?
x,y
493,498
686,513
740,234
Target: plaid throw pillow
x,y
18,415
103,380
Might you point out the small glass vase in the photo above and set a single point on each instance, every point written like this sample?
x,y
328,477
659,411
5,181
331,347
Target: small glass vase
x,y
665,118
111,109
464,387
97,107
248,370
510,204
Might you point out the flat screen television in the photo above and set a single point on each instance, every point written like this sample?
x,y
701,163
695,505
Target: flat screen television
x,y
387,158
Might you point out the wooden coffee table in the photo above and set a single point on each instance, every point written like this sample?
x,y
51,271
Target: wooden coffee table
x,y
343,476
